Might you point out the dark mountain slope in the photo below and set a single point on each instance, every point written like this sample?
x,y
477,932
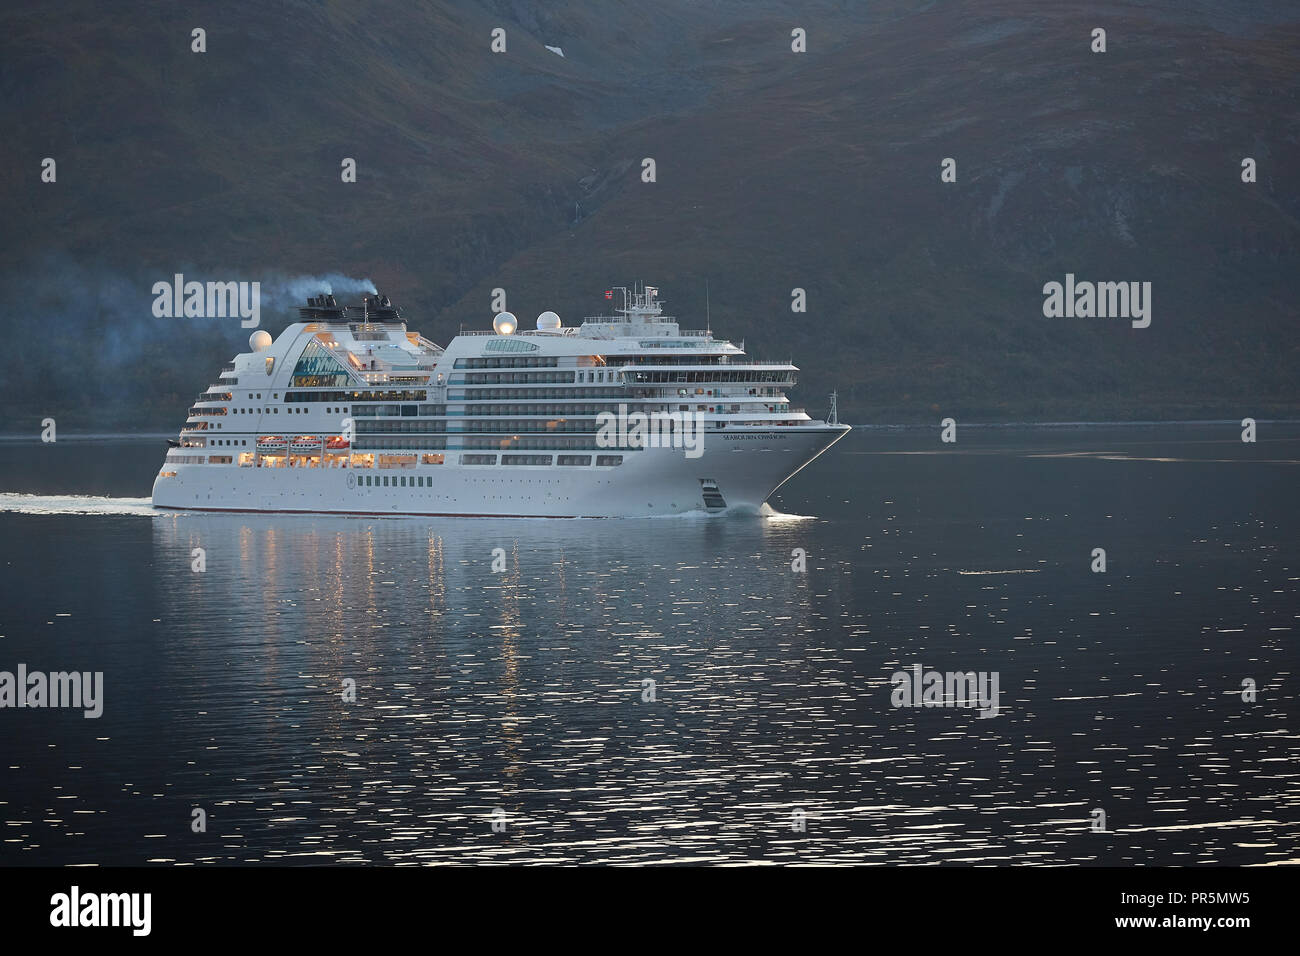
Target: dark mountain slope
x,y
775,170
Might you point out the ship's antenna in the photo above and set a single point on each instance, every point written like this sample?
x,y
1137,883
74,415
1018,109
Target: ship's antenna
x,y
833,416
708,320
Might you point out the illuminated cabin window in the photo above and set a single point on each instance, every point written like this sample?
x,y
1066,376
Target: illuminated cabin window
x,y
432,459
220,459
166,474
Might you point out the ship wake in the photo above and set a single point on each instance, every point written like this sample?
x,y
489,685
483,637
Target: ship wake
x,y
74,505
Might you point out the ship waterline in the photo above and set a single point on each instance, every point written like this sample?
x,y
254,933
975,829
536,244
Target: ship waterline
x,y
349,413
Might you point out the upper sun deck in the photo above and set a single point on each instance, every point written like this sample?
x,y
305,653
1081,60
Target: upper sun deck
x,y
582,339
638,325
370,344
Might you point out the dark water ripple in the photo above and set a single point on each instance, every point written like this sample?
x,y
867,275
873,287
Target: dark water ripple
x,y
522,691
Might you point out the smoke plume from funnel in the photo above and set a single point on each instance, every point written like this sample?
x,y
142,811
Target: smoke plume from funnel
x,y
132,370
283,294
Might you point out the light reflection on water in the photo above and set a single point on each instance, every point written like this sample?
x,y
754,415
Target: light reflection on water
x,y
521,691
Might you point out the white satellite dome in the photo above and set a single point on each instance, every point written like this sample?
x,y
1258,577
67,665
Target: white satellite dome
x,y
259,340
505,323
548,320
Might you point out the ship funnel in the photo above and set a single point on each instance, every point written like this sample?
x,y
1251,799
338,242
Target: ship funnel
x,y
321,307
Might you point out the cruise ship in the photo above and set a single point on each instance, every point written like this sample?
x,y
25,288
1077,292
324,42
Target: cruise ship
x,y
624,415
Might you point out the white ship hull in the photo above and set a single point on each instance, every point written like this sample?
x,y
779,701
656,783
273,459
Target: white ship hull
x,y
746,465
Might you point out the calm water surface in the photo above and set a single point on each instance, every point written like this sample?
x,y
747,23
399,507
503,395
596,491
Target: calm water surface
x,y
522,692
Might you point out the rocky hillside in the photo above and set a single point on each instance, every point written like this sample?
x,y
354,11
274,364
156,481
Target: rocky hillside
x,y
775,170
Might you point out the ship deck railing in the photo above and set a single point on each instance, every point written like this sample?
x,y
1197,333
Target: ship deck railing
x,y
571,330
669,366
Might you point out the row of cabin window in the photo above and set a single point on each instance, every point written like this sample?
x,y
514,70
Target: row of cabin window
x,y
531,361
508,378
496,394
175,459
340,410
419,481
550,442
358,396
289,410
